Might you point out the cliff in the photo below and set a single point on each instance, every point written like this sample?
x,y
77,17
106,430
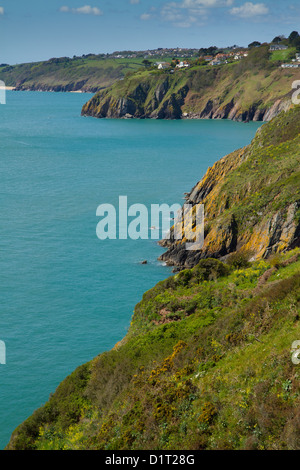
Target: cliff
x,y
87,73
253,89
251,198
207,361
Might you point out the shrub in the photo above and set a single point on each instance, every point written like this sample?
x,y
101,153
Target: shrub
x,y
239,260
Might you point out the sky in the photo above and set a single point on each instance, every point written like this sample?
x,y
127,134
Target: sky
x,y
33,30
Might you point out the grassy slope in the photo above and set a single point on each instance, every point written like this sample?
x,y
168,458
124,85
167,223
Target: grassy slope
x,y
284,56
206,363
94,71
256,81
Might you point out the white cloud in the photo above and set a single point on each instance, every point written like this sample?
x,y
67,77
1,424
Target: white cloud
x,y
145,16
85,10
88,10
249,10
188,12
206,3
1,11
135,2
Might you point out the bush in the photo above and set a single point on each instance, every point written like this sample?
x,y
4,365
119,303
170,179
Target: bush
x,y
239,260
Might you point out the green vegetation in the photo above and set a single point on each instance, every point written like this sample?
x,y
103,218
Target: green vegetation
x,y
243,90
89,73
284,56
206,365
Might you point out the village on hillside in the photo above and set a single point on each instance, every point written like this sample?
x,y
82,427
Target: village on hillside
x,y
222,58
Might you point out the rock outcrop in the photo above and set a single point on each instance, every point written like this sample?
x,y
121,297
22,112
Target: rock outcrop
x,y
251,198
246,91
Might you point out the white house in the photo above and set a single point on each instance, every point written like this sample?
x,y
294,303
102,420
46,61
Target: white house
x,y
290,66
163,65
216,62
182,64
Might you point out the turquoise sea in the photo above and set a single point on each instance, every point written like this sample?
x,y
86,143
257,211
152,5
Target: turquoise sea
x,y
66,296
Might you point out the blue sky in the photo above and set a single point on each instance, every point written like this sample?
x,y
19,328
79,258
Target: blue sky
x,y
32,30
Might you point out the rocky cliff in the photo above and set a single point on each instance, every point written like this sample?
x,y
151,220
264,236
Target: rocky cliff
x,y
251,198
253,89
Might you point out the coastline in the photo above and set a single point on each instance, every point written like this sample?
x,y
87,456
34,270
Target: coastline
x,y
7,88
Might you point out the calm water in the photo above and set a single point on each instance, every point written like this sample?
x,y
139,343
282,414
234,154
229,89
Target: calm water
x,y
65,296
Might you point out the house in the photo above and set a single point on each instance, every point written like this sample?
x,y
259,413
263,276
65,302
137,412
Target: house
x,y
222,56
163,65
278,47
182,65
216,62
290,66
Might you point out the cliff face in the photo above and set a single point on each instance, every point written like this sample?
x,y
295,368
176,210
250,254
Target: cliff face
x,y
77,86
251,198
146,102
254,89
149,99
87,73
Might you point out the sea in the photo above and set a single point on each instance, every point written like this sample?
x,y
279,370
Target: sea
x,y
65,295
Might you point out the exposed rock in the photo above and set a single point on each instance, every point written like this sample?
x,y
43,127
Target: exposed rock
x,y
231,223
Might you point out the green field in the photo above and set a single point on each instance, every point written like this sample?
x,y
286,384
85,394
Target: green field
x,y
89,73
284,56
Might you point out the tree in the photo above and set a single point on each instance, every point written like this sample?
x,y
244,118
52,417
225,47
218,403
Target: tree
x,y
208,51
294,40
147,63
254,44
293,36
277,39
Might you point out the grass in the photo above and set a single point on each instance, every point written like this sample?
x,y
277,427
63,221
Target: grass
x,y
256,81
218,376
283,56
88,73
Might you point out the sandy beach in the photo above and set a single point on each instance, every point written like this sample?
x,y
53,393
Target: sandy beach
x,y
8,88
